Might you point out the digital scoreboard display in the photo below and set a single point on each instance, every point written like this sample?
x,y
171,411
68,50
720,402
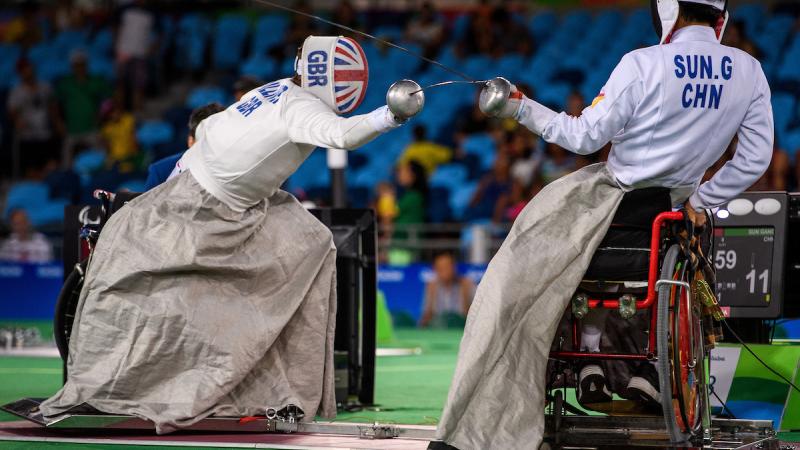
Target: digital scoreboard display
x,y
743,259
749,253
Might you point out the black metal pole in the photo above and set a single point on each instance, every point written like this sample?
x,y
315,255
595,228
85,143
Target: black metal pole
x,y
338,188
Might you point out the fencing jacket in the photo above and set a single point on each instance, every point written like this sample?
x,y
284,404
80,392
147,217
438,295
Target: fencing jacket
x,y
670,112
243,154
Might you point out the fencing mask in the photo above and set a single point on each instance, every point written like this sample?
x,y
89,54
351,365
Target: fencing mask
x,y
666,12
334,68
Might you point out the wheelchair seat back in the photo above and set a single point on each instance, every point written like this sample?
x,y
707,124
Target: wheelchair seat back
x,y
624,253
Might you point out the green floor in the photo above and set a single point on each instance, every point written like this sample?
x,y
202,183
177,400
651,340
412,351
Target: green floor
x,y
409,389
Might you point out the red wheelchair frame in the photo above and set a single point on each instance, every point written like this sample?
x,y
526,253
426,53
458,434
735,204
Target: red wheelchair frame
x,y
676,331
648,302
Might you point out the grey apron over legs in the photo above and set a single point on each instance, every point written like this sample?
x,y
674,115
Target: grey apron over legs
x,y
191,309
496,399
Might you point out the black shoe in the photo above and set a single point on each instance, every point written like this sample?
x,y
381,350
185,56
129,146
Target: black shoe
x,y
592,387
643,387
440,445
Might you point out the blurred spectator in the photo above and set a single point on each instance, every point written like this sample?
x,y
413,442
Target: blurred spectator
x,y
136,39
426,30
424,152
557,163
24,244
448,296
244,85
526,159
520,197
492,195
413,193
386,204
345,14
24,29
575,104
159,171
34,113
119,133
66,15
80,95
509,34
736,36
300,27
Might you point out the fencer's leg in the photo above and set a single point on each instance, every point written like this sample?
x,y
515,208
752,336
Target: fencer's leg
x,y
592,385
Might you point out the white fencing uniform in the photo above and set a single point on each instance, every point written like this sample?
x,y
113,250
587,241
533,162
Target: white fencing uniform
x,y
215,292
244,154
671,111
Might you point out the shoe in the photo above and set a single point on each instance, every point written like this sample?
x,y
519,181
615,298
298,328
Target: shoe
x,y
440,445
643,387
592,387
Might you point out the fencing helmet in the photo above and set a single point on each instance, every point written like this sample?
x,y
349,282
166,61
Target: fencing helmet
x,y
666,12
334,68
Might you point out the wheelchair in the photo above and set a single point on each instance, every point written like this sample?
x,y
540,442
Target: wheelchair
x,y
68,297
650,266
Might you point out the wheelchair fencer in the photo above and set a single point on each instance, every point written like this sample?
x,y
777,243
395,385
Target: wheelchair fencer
x,y
645,316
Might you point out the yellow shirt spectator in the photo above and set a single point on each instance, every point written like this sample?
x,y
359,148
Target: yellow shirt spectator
x,y
427,154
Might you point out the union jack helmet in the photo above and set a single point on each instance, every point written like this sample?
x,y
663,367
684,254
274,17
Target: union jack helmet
x,y
335,70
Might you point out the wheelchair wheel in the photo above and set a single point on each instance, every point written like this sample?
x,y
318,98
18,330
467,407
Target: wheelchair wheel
x,y
680,351
66,307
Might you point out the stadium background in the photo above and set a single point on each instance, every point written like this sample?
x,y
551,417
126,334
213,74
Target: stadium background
x,y
198,52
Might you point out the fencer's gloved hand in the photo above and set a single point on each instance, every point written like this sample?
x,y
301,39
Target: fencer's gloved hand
x,y
405,99
499,98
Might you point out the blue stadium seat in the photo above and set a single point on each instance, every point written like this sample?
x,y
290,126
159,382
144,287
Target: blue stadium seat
x,y
102,42
783,110
26,194
154,132
89,161
554,94
135,185
102,66
9,54
438,207
791,142
202,96
542,24
269,32
449,175
230,35
261,67
752,14
460,197
48,213
482,145
191,38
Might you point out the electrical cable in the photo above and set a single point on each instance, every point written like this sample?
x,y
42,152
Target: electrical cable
x,y
736,336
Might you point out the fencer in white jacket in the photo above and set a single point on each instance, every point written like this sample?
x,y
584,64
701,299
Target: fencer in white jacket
x,y
669,111
243,154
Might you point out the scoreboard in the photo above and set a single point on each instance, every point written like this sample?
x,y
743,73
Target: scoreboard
x,y
749,253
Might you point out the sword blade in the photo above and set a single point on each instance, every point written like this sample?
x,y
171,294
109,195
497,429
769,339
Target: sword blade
x,y
367,35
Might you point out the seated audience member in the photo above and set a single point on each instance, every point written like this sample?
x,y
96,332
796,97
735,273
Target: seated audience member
x,y
557,163
25,244
386,203
33,114
244,85
119,133
80,95
492,195
426,153
413,194
448,296
159,171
